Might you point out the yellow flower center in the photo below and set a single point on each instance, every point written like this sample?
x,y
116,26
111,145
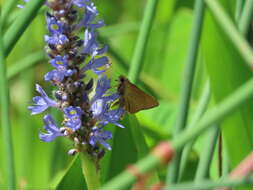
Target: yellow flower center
x,y
54,27
59,62
73,112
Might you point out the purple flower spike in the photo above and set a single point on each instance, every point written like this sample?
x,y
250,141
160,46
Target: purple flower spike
x,y
52,129
99,136
41,102
85,113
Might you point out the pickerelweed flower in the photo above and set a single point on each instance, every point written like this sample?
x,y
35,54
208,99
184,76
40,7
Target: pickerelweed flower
x,y
86,105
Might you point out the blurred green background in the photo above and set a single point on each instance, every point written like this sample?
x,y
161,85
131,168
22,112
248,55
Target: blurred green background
x,y
38,163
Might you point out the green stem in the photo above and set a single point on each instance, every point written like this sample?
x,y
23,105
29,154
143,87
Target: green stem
x,y
173,171
6,10
207,154
137,60
5,119
207,184
246,17
229,28
225,161
238,9
215,115
22,22
90,172
200,110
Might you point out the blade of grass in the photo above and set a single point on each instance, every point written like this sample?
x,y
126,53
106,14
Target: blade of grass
x,y
18,27
173,171
246,16
238,9
136,130
200,110
207,154
5,119
24,64
139,140
215,115
16,13
225,161
70,178
141,44
7,9
207,184
229,28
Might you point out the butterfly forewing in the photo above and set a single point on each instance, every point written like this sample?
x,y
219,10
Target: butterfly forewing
x,y
135,99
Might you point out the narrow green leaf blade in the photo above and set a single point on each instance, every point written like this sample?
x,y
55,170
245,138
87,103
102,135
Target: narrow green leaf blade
x,y
72,178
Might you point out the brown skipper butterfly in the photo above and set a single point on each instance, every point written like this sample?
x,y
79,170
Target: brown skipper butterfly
x,y
132,98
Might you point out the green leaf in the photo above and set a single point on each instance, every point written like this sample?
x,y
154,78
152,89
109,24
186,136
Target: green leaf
x,y
124,152
227,72
72,178
175,52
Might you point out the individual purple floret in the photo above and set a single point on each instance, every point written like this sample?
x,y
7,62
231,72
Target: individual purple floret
x,y
52,129
73,112
60,62
112,116
58,75
73,117
61,71
103,84
96,64
60,39
54,26
91,45
41,103
100,136
87,4
89,19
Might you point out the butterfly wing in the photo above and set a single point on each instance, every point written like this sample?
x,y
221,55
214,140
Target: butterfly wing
x,y
135,99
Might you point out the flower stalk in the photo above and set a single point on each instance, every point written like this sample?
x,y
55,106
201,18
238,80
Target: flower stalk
x,y
90,171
